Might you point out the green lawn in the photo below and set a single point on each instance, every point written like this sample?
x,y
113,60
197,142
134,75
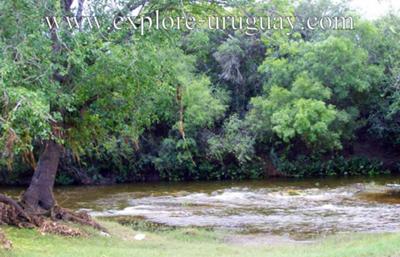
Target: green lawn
x,y
189,242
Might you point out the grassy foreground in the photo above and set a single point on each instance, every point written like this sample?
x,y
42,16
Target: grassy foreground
x,y
188,243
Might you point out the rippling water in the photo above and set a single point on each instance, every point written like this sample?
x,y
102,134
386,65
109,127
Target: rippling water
x,y
279,211
295,208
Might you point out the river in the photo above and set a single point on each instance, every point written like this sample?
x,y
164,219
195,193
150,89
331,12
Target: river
x,y
298,209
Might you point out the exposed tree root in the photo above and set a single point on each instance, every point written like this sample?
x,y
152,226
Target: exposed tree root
x,y
82,218
52,227
12,213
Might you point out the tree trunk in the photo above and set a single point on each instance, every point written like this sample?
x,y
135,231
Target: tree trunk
x,y
39,197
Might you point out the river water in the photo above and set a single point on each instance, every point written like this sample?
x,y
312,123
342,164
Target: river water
x,y
295,208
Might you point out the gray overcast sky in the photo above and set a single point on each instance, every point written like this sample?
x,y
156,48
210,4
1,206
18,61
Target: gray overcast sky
x,y
374,8
368,8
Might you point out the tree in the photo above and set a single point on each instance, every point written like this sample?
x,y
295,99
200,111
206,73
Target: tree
x,y
75,89
315,91
298,113
306,9
383,115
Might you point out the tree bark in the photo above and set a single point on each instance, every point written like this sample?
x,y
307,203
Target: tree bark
x,y
39,197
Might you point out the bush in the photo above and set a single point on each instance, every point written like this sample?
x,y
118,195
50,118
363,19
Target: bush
x,y
304,166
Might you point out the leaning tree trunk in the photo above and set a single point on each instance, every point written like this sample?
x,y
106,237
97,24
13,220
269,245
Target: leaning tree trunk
x,y
39,197
37,207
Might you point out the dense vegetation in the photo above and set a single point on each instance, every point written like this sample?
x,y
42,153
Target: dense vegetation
x,y
197,104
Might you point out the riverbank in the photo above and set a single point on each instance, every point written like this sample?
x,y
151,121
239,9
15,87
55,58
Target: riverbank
x,y
189,242
362,164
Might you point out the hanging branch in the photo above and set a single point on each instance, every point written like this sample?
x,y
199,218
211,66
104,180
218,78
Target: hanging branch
x,y
181,122
181,126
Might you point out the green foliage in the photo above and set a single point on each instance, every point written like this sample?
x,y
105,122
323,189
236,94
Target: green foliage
x,y
24,119
314,92
383,120
235,140
305,166
202,108
336,63
196,43
288,115
64,179
175,161
200,104
249,170
342,66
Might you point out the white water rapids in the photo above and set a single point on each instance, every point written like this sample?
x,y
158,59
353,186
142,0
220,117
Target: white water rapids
x,y
283,211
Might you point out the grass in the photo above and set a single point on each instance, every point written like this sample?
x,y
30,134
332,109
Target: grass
x,y
188,243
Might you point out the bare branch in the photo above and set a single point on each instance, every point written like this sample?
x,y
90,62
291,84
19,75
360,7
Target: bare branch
x,y
79,12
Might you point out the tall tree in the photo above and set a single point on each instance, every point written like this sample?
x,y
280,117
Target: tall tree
x,y
75,88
